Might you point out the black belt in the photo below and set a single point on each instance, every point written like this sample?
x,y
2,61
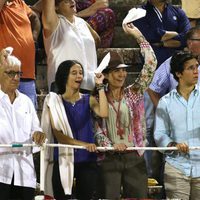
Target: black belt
x,y
26,79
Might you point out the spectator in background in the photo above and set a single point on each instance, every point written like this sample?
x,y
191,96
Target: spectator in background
x,y
177,125
163,81
96,13
100,17
19,28
19,124
164,27
68,37
192,10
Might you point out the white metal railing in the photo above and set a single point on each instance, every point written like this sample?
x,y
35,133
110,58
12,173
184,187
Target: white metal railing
x,y
103,149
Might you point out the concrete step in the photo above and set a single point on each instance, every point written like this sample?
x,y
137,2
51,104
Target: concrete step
x,y
122,40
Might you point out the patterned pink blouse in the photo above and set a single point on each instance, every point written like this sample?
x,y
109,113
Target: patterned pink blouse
x,y
133,95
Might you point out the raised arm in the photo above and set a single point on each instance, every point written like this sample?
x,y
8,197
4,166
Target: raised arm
x,y
150,62
35,25
49,17
99,107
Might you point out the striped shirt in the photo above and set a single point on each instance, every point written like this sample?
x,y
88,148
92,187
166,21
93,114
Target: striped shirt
x,y
163,81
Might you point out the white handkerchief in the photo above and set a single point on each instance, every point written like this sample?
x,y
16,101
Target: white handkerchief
x,y
104,63
9,50
134,14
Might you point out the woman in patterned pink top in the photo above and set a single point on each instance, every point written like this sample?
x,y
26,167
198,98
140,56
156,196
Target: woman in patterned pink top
x,y
100,17
125,125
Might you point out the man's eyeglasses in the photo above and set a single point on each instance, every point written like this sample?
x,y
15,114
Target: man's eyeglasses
x,y
192,68
13,74
195,39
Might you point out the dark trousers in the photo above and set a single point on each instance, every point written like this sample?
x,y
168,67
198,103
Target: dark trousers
x,y
85,185
11,192
123,175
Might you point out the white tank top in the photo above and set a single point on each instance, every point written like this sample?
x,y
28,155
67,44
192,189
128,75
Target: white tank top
x,y
71,42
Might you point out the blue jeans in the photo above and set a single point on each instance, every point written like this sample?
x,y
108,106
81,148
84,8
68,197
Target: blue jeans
x,y
28,88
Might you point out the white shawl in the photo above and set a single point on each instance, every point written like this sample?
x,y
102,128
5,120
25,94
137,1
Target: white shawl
x,y
53,102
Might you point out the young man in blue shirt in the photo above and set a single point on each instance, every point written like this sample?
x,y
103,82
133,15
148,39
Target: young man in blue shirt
x,y
162,83
177,124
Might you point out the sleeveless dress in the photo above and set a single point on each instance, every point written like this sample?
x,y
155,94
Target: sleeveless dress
x,y
85,165
80,120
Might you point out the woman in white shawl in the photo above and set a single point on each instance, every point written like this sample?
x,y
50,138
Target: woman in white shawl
x,y
68,117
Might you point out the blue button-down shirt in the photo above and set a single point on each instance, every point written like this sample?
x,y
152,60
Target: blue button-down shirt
x,y
163,81
178,120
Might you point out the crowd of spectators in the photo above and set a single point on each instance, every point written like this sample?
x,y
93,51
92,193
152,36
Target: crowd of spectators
x,y
96,109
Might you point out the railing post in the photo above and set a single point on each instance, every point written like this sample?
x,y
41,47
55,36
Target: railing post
x,y
42,159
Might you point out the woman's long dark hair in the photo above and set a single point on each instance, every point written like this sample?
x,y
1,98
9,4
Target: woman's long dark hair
x,y
62,74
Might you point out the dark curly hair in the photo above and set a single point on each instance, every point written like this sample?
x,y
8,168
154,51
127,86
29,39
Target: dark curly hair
x,y
178,60
62,74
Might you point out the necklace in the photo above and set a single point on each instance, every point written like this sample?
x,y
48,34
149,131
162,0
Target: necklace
x,y
72,100
120,130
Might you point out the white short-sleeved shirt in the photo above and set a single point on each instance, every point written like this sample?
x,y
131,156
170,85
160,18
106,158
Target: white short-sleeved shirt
x,y
71,41
18,121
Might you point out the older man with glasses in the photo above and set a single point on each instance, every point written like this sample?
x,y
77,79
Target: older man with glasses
x,y
19,124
